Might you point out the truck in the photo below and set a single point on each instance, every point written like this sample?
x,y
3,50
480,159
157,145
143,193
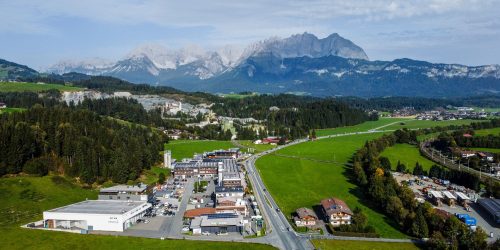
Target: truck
x,y
471,221
462,216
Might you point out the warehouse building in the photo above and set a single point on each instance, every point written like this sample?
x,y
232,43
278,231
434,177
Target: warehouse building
x,y
101,215
220,223
138,192
492,206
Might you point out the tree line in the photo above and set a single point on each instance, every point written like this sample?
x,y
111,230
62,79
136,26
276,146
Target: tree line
x,y
75,142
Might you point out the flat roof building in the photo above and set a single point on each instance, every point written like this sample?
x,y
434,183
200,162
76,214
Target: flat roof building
x,y
217,223
138,192
101,215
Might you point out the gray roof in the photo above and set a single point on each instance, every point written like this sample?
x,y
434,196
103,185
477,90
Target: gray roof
x,y
99,207
491,205
126,188
220,189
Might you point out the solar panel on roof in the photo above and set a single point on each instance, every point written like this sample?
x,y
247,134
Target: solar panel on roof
x,y
222,216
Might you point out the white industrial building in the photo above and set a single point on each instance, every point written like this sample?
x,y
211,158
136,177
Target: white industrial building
x,y
101,215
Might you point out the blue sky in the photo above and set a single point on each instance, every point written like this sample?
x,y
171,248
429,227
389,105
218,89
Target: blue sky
x,y
40,33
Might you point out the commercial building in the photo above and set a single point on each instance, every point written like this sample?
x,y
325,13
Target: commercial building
x,y
196,168
221,191
138,192
232,153
101,215
336,211
221,223
492,206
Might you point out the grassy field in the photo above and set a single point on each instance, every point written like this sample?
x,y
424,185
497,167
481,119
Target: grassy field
x,y
361,245
304,174
11,110
33,87
186,148
257,147
23,199
360,127
484,132
408,155
415,124
151,176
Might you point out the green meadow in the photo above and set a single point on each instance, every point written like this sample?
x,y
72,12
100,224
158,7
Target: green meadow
x,y
408,155
304,174
33,87
416,124
362,245
381,123
485,132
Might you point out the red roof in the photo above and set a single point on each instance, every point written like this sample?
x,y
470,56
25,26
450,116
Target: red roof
x,y
198,212
467,135
334,205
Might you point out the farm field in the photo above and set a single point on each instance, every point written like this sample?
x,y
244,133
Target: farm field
x,y
23,199
362,245
416,124
316,170
408,155
484,132
186,148
257,147
33,87
360,127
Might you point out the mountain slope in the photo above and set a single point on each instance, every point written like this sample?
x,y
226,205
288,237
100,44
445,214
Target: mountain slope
x,y
332,75
13,71
153,63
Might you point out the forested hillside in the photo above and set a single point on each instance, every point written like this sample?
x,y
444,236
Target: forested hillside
x,y
77,143
295,115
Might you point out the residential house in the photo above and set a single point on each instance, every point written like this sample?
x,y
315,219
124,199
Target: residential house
x,y
336,211
305,217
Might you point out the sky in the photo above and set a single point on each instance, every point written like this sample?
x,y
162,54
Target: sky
x,y
39,33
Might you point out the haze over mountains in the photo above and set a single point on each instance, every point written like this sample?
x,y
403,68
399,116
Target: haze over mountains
x,y
302,63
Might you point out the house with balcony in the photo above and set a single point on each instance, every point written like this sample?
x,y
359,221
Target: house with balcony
x,y
336,212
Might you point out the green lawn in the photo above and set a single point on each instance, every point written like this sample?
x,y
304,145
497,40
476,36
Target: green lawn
x,y
360,127
11,110
23,199
362,245
257,147
484,132
305,181
33,87
415,124
186,148
408,155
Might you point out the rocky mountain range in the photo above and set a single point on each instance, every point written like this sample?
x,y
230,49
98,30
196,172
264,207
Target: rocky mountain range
x,y
301,64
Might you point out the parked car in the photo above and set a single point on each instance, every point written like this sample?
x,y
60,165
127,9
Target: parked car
x,y
205,233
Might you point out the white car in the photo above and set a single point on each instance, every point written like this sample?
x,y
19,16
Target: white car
x,y
205,233
185,229
146,221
